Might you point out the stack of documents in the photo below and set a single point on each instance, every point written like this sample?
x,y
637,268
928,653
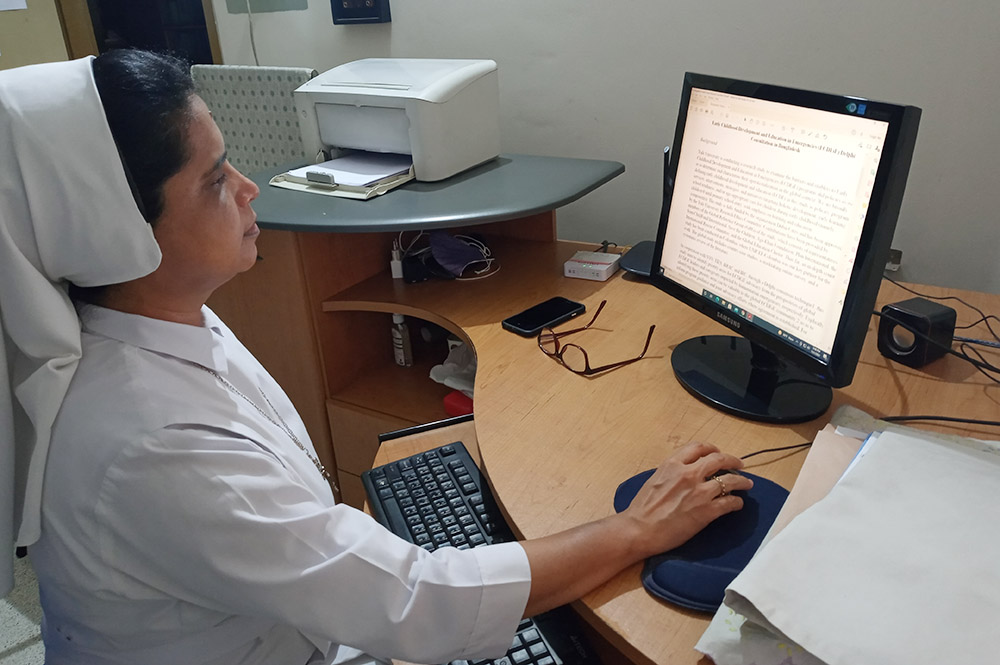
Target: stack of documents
x,y
359,175
892,561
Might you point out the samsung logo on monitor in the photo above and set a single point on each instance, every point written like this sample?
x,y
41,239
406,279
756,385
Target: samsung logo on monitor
x,y
736,323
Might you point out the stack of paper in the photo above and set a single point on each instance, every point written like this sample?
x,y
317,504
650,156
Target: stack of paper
x,y
895,564
359,175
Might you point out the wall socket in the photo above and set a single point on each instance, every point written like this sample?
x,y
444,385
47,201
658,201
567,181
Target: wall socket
x,y
895,259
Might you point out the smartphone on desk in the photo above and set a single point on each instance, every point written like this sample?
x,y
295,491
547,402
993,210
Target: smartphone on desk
x,y
546,314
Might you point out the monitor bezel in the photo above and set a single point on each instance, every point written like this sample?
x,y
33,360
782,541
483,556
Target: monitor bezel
x,y
876,235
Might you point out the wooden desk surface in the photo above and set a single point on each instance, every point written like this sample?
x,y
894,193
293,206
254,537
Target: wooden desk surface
x,y
555,445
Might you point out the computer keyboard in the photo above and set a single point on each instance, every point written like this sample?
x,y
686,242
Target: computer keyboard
x,y
438,499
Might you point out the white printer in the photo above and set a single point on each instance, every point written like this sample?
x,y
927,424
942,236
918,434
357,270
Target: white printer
x,y
445,113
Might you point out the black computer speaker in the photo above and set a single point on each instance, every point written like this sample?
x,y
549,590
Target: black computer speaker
x,y
907,331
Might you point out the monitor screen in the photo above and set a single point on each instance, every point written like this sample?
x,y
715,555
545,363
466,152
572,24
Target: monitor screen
x,y
778,212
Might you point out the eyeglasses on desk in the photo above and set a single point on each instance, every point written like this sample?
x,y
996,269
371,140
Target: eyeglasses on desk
x,y
573,356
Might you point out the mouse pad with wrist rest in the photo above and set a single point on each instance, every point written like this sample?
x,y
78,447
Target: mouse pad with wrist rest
x,y
696,574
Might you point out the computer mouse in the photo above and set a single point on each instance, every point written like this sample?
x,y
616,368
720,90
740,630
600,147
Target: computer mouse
x,y
696,574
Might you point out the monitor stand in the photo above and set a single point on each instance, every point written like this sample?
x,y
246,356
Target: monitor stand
x,y
746,380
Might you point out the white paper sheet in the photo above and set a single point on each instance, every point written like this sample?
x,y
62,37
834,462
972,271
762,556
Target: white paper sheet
x,y
6,5
730,639
898,564
359,169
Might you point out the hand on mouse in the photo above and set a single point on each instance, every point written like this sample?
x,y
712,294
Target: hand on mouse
x,y
681,497
690,489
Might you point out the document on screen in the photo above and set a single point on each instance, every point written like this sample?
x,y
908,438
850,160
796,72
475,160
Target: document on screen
x,y
768,206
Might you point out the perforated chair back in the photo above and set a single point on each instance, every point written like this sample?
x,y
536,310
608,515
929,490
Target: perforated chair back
x,y
255,112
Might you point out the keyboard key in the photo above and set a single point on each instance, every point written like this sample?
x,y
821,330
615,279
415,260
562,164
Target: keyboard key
x,y
520,656
538,649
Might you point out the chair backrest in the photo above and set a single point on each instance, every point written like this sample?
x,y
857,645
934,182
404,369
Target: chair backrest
x,y
255,112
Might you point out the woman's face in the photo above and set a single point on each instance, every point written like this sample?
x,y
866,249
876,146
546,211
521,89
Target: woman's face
x,y
207,231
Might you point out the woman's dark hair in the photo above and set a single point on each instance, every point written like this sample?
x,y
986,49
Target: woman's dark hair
x,y
146,98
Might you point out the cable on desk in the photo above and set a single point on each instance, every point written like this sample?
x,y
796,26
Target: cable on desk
x,y
888,419
948,419
776,450
981,342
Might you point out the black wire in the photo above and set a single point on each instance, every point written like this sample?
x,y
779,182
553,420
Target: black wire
x,y
983,316
775,450
982,365
888,419
966,348
981,319
948,419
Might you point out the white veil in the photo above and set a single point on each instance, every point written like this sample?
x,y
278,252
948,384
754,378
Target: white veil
x,y
67,214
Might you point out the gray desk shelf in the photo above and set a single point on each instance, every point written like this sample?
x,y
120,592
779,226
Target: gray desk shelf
x,y
509,187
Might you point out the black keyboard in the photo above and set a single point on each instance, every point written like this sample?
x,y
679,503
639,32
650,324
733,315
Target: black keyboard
x,y
439,499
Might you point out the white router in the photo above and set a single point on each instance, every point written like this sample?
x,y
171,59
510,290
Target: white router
x,y
597,266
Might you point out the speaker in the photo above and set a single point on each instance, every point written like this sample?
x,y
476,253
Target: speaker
x,y
904,329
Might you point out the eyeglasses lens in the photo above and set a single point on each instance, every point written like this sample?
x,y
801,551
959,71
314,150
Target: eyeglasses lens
x,y
547,342
573,358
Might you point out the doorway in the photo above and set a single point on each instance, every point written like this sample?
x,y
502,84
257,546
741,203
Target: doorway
x,y
185,28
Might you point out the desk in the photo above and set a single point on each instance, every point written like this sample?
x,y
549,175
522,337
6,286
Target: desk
x,y
555,445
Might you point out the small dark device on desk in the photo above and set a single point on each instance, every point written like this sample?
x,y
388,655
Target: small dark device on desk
x,y
546,314
438,499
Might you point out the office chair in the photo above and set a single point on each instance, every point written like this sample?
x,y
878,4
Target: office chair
x,y
254,110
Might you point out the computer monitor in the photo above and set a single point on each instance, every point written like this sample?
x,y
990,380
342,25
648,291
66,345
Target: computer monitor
x,y
779,207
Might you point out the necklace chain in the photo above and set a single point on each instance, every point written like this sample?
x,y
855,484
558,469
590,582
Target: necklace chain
x,y
282,425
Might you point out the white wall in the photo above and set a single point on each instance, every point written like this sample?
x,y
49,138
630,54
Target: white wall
x,y
581,78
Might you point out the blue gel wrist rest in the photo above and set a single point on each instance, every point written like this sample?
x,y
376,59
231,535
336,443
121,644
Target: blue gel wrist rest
x,y
696,574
